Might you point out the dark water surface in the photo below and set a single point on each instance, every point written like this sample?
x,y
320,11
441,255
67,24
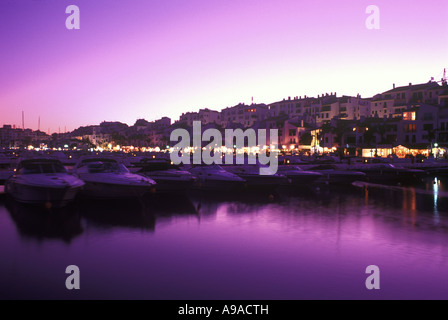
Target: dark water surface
x,y
304,245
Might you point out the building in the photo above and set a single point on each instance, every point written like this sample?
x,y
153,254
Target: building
x,y
244,114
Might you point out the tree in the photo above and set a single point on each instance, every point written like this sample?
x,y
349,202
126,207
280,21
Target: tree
x,y
306,139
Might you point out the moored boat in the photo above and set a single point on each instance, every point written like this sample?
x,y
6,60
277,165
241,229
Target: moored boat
x,y
391,174
333,175
169,178
43,181
255,180
299,177
214,177
106,178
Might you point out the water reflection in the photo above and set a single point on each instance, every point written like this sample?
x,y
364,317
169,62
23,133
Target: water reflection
x,y
310,244
43,224
108,214
135,214
435,191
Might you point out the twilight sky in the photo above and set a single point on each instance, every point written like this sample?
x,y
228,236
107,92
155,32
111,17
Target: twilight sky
x,y
152,58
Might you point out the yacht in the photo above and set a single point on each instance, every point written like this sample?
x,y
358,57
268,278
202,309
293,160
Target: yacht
x,y
43,181
214,177
387,173
254,180
106,178
299,177
333,175
169,177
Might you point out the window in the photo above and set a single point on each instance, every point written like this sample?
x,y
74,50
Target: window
x,y
442,126
409,116
292,132
410,128
413,138
428,127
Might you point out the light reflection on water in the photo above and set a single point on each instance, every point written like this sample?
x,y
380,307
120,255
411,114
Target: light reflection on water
x,y
304,245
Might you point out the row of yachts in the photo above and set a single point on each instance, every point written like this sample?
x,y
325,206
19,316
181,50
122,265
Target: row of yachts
x,y
47,181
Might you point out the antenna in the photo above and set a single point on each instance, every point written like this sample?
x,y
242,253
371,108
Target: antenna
x,y
38,125
23,120
443,81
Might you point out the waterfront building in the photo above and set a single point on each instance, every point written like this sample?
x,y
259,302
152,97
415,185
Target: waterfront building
x,y
244,114
189,117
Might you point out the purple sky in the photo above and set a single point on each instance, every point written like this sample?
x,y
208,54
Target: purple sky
x,y
152,58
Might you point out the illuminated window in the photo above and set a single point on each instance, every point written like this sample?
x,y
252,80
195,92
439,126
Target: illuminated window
x,y
410,128
410,116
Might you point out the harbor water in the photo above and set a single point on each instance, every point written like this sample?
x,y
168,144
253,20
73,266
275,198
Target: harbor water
x,y
306,244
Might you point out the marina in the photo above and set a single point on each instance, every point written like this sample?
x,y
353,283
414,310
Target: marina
x,y
310,241
223,150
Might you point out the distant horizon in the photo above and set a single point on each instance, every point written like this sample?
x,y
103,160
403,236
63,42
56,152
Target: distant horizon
x,y
148,59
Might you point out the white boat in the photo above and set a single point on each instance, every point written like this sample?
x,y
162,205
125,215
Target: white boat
x,y
387,173
106,178
169,178
214,177
256,181
43,181
298,176
333,175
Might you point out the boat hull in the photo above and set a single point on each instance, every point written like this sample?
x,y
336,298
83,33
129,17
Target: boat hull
x,y
392,178
303,180
219,185
173,186
340,178
102,190
49,196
